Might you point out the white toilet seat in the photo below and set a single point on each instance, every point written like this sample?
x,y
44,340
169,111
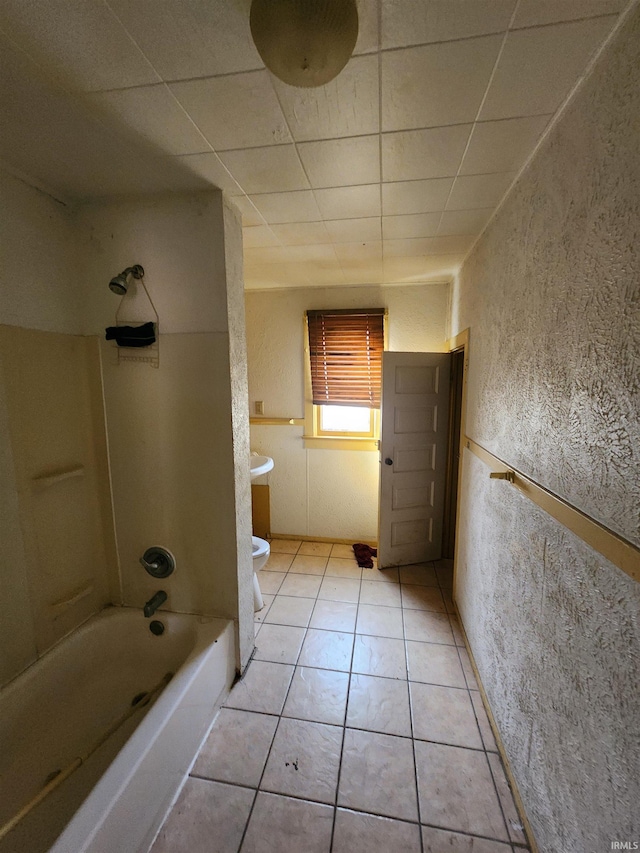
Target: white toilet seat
x,y
261,551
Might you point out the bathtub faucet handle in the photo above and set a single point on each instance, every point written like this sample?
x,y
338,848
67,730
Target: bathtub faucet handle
x,y
154,602
159,562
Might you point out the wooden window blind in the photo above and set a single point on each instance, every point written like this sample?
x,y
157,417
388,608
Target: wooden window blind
x,y
345,349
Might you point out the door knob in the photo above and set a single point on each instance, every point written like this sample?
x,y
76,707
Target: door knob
x,y
388,461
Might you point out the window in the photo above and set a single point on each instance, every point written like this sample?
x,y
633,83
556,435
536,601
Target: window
x,y
345,375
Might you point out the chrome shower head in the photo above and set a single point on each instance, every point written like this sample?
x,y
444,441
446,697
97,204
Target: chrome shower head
x,y
119,284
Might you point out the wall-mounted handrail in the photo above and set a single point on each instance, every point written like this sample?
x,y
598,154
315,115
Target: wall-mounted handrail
x,y
277,421
613,547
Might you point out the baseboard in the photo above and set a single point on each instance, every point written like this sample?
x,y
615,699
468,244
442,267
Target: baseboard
x,y
333,539
503,755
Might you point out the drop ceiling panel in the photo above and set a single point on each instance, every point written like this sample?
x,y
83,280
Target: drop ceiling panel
x,y
415,196
276,275
250,214
342,162
211,168
81,41
349,202
190,38
360,253
502,146
287,207
330,111
426,246
400,270
357,273
436,84
425,21
538,67
302,233
257,236
238,111
154,113
351,230
474,191
534,12
266,170
414,154
415,225
461,222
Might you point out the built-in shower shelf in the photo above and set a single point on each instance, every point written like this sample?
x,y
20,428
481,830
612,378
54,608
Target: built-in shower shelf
x,y
43,481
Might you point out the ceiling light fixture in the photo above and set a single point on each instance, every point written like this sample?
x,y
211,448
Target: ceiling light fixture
x,y
304,42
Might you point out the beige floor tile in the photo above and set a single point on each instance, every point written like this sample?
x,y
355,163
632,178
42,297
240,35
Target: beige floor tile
x,y
284,546
339,568
380,621
279,643
365,833
456,790
483,722
514,823
261,615
263,688
343,552
236,748
445,715
381,656
319,695
469,674
206,810
334,615
435,664
458,636
305,586
439,840
270,582
379,705
304,760
287,826
317,549
290,610
385,594
339,589
427,627
385,575
377,775
306,564
422,573
418,597
327,650
445,576
278,563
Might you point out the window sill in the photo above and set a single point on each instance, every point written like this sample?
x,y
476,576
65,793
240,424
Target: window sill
x,y
314,442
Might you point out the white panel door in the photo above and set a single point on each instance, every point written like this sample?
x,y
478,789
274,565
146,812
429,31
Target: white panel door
x,y
413,456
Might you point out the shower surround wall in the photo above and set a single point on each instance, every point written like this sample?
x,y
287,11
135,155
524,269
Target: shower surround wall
x,y
58,562
551,293
177,435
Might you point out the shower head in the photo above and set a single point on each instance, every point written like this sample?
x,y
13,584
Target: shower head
x,y
119,284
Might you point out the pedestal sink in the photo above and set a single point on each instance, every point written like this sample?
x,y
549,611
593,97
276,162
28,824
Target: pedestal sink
x,y
260,465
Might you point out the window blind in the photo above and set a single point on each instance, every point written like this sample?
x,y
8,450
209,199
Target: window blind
x,y
345,349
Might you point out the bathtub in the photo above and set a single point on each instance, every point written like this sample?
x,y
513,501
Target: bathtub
x,y
61,707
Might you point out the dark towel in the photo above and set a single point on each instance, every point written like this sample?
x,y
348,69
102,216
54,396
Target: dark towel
x,y
364,553
132,336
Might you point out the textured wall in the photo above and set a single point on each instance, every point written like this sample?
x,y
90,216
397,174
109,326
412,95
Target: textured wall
x,y
555,386
551,294
325,492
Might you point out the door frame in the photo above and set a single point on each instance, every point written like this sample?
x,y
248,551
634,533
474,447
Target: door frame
x,y
460,343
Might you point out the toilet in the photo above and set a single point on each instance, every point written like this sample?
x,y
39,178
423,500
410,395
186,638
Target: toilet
x,y
261,551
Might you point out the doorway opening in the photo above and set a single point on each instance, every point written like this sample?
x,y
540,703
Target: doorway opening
x,y
453,454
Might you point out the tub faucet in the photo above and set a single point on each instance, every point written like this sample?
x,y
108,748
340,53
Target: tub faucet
x,y
154,602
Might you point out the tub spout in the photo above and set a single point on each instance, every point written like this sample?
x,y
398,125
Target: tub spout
x,y
154,602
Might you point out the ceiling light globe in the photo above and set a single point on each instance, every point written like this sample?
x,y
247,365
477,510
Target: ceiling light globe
x,y
304,42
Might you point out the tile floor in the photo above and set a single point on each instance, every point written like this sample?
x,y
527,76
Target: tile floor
x,y
357,728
